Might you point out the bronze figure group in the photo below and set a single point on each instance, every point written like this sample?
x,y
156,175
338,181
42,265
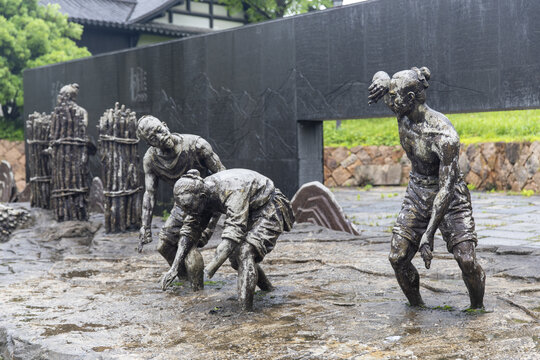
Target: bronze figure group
x,y
169,157
255,212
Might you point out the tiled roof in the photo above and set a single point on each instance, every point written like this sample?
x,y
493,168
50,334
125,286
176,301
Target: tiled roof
x,y
112,11
103,10
153,28
145,9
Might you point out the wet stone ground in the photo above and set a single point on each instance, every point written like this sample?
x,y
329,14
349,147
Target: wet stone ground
x,y
501,219
72,292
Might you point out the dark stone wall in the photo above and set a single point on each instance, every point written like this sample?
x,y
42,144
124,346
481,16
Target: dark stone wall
x,y
245,90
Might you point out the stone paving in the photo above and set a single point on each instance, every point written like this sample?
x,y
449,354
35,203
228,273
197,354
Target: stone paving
x,y
70,291
501,219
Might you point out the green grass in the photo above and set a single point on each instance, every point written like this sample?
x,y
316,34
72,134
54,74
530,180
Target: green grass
x,y
476,311
10,131
214,283
505,126
526,193
165,215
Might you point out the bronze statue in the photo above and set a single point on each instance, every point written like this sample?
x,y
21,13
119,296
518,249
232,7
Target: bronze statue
x,y
169,157
437,196
256,214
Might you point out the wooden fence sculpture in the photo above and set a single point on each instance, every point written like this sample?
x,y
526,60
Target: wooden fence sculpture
x,y
120,173
38,139
70,150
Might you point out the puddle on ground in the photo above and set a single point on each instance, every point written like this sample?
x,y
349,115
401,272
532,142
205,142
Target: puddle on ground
x,y
80,274
67,328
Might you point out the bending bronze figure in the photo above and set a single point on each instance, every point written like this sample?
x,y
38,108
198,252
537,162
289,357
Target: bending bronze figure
x,y
256,213
169,157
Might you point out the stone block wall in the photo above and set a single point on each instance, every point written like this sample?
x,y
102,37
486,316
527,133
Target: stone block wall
x,y
361,165
502,166
499,166
13,152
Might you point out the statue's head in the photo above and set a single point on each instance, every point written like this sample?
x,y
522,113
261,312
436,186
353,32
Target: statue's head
x,y
68,92
154,132
190,193
407,89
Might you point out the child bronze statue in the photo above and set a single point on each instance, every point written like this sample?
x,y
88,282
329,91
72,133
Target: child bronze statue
x,y
256,213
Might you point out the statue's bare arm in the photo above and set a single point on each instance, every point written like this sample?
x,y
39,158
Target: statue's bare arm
x,y
212,163
209,231
149,199
210,158
234,230
447,149
379,87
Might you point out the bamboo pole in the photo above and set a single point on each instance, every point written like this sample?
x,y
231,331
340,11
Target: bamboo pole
x,y
70,158
38,137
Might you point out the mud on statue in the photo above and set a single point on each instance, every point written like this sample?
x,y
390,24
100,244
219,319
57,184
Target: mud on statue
x,y
256,213
169,157
437,196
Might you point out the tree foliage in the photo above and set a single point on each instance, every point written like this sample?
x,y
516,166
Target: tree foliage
x,y
261,10
31,35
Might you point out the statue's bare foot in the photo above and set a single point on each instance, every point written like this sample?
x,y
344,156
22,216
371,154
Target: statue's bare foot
x,y
418,305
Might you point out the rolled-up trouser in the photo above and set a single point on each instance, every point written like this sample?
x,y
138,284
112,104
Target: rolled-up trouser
x,y
457,225
266,224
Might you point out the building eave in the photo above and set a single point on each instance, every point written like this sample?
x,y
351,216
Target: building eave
x,y
149,28
152,14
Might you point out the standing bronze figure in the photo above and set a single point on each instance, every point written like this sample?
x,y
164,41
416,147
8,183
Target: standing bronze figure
x,y
437,196
169,157
256,213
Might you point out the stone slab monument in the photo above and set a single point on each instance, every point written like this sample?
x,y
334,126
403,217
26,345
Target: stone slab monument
x,y
315,203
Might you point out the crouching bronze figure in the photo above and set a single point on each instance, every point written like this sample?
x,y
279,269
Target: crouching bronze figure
x,y
256,213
